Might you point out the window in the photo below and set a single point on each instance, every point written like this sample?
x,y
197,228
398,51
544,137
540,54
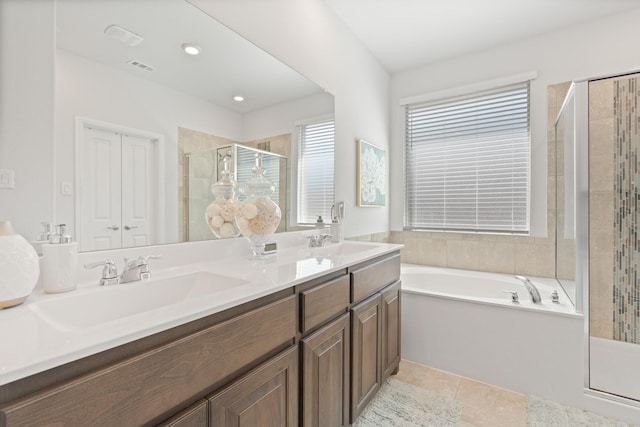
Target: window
x,y
315,170
467,162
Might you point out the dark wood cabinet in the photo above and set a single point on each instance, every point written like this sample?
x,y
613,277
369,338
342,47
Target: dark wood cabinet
x,y
391,329
197,415
365,352
375,328
267,396
325,375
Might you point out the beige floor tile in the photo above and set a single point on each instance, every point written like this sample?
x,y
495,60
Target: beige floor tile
x,y
441,382
486,405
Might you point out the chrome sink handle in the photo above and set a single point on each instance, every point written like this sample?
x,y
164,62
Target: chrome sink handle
x,y
514,296
137,269
109,272
144,266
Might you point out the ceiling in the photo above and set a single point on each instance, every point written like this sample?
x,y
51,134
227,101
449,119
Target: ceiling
x,y
404,34
228,65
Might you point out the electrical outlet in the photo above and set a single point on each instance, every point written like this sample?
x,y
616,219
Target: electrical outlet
x,y
7,178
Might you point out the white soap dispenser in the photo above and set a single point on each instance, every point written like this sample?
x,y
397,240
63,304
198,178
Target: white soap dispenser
x,y
336,230
59,262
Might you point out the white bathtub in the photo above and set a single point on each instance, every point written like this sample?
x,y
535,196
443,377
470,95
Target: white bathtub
x,y
463,322
484,288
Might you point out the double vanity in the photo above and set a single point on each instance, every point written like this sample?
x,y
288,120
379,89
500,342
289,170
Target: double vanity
x,y
304,337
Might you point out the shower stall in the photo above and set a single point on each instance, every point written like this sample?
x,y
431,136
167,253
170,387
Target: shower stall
x,y
598,204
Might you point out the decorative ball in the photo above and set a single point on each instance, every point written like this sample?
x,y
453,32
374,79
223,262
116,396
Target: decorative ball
x,y
228,212
249,210
227,230
258,225
217,221
213,209
243,225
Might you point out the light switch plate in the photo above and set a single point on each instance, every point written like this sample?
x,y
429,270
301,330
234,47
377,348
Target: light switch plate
x,y
66,188
7,179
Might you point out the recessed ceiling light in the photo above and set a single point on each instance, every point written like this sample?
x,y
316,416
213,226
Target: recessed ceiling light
x,y
191,48
238,98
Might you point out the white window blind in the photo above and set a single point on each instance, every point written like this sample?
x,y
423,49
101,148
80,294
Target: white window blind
x,y
315,170
467,162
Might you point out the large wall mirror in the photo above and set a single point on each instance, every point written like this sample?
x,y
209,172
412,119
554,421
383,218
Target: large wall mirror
x,y
132,107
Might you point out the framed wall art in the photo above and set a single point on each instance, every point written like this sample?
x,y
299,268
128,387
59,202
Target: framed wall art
x,y
371,174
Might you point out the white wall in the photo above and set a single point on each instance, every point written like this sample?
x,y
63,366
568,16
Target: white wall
x,y
601,46
88,89
26,112
280,119
306,35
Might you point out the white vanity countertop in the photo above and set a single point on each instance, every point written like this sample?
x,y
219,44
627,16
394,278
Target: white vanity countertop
x,y
33,342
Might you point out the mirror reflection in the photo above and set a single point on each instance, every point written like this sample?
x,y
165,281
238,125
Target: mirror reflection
x,y
134,109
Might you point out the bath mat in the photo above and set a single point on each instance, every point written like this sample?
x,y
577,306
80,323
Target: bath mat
x,y
544,413
401,404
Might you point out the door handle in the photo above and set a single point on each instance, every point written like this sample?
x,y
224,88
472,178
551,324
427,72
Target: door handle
x,y
114,227
130,227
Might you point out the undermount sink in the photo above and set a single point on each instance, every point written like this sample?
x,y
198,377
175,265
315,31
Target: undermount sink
x,y
350,248
106,304
332,250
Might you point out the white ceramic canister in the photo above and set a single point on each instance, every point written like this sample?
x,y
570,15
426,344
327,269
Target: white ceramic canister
x,y
19,267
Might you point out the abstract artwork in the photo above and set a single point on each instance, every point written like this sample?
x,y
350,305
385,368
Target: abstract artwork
x,y
371,175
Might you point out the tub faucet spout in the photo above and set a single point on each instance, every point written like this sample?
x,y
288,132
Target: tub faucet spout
x,y
533,291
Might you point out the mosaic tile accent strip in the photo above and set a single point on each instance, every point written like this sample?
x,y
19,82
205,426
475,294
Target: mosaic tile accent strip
x,y
626,290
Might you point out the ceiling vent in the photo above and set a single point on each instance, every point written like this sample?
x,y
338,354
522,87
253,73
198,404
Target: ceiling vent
x,y
123,35
141,65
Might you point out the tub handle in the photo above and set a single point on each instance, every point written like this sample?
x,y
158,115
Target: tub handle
x,y
514,296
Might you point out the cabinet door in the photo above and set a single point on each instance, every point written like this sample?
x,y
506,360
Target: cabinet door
x,y
390,329
197,415
366,346
325,375
267,396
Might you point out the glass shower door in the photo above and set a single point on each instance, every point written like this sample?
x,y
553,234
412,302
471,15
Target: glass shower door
x,y
614,242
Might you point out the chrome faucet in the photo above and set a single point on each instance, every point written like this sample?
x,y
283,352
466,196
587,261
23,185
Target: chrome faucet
x,y
109,272
137,269
533,291
318,240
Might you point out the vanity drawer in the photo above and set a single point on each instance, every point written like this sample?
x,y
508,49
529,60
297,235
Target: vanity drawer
x,y
142,388
321,303
372,277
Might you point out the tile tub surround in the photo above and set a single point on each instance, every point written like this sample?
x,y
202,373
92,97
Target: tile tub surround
x,y
39,344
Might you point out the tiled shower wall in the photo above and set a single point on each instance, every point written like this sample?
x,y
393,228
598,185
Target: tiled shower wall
x,y
626,198
601,210
524,255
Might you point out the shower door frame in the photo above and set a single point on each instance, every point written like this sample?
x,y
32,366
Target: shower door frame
x,y
581,101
